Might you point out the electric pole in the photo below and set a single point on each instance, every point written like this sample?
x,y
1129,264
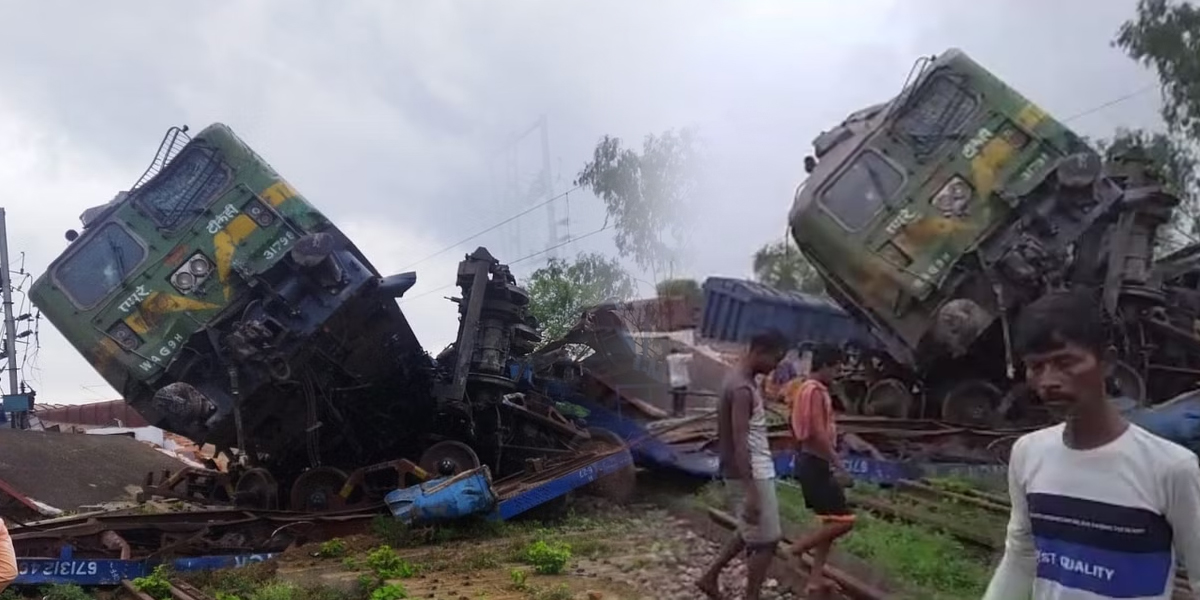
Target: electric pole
x,y
10,325
552,219
518,190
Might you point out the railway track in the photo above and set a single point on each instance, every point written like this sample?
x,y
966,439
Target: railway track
x,y
179,590
226,531
976,519
849,586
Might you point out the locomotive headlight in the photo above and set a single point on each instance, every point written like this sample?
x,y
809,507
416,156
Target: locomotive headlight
x,y
199,266
260,213
192,273
953,198
183,280
124,335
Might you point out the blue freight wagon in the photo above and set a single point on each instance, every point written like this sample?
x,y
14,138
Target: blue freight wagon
x,y
736,309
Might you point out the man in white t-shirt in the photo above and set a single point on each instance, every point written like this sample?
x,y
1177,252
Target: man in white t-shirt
x,y
678,365
1101,508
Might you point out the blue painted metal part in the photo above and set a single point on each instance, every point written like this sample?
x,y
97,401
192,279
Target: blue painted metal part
x,y
699,459
888,472
736,309
521,373
89,572
647,450
17,402
446,498
471,493
1177,419
859,467
560,486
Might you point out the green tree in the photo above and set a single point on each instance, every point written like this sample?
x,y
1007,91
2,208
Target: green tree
x,y
1165,36
782,266
1176,162
644,194
680,288
561,290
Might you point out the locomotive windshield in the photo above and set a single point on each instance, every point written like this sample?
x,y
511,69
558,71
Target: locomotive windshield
x,y
184,188
859,192
937,112
99,266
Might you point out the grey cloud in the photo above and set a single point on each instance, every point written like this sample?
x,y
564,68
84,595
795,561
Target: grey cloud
x,y
390,112
1056,53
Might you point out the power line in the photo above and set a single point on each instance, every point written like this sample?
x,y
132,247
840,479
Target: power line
x,y
490,229
557,246
1117,100
518,261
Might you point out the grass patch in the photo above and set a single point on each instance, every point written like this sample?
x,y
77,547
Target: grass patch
x,y
67,591
547,558
275,591
391,591
478,561
384,562
963,515
518,578
335,548
930,565
155,584
538,546
395,533
996,485
561,592
591,548
233,584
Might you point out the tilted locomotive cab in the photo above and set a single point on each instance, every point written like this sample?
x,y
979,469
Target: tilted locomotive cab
x,y
933,216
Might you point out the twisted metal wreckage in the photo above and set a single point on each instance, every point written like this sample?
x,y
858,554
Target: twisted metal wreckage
x,y
226,308
616,385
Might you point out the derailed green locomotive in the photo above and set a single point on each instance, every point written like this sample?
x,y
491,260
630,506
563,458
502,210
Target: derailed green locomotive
x,y
225,307
932,217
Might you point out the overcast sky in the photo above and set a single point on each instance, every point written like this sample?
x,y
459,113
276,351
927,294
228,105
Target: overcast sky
x,y
391,116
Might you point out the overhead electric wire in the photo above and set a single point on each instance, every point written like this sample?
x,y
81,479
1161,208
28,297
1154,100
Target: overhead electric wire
x,y
26,365
560,245
517,261
491,228
1114,101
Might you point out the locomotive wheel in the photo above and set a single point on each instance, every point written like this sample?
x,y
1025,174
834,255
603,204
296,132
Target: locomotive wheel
x,y
448,458
1131,383
316,490
888,398
971,402
852,395
256,488
615,487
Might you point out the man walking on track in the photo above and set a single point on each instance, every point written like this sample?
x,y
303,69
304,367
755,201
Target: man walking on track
x,y
1101,508
818,466
746,462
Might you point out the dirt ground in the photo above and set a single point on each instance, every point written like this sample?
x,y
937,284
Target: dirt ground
x,y
641,552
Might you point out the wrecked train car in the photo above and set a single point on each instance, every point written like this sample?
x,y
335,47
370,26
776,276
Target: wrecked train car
x,y
226,308
932,217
